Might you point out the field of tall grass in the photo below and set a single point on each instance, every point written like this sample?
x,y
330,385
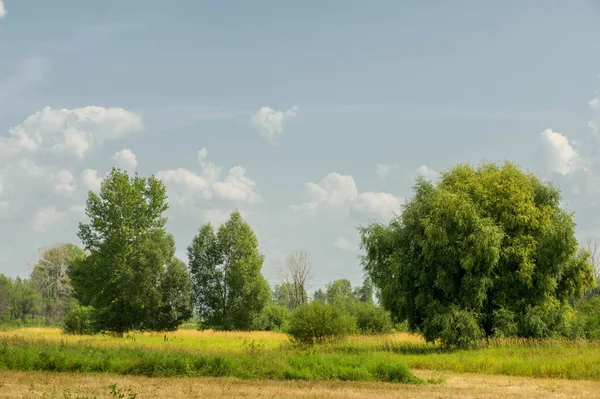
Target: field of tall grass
x,y
266,355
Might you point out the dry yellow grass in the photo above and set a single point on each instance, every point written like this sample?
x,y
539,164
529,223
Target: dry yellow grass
x,y
467,386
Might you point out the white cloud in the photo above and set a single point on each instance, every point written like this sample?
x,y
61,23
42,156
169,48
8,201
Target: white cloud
x,y
237,187
187,187
46,217
64,182
184,185
427,172
125,159
270,123
383,170
338,193
2,9
381,205
70,131
90,179
559,155
31,168
202,154
344,244
334,191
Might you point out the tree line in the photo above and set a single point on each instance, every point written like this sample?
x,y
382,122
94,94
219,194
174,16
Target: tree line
x,y
484,252
127,277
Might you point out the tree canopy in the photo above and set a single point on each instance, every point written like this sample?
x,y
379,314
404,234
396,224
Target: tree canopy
x,y
131,276
486,251
50,276
229,288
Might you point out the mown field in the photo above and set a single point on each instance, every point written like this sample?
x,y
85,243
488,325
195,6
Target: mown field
x,y
251,356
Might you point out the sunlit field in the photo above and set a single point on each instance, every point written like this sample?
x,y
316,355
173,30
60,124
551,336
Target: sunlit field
x,y
17,384
267,355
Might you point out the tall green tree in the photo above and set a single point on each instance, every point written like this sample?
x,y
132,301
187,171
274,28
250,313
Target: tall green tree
x,y
50,276
25,300
229,289
486,251
131,276
338,291
5,297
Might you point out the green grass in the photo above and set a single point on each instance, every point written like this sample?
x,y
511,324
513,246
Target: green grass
x,y
21,354
267,355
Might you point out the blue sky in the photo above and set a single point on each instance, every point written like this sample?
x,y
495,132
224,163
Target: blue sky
x,y
281,94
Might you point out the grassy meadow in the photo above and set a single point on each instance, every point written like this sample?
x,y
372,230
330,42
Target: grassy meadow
x,y
272,356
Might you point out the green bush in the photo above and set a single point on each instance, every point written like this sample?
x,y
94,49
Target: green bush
x,y
272,318
79,320
456,328
587,319
371,319
319,322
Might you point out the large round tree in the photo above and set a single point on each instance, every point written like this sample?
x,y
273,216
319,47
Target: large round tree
x,y
131,276
485,251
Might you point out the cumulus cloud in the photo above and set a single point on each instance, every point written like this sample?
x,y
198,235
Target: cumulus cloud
x,y
90,179
338,193
2,9
427,172
334,191
559,155
46,217
125,159
270,123
69,131
187,187
64,182
381,205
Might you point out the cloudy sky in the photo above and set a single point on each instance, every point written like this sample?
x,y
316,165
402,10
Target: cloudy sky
x,y
310,117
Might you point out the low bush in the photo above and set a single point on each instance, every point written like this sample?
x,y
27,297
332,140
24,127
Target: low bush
x,y
79,320
371,319
272,318
319,322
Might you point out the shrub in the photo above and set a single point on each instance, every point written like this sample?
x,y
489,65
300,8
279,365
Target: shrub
x,y
79,320
588,318
272,318
319,322
371,319
456,328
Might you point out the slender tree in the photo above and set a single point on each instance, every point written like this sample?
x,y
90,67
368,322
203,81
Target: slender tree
x,y
229,290
294,278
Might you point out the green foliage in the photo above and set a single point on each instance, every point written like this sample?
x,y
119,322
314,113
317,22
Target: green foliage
x,y
358,303
481,245
283,294
131,276
318,322
5,297
587,319
80,320
51,280
338,291
228,288
262,364
25,300
370,319
272,318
